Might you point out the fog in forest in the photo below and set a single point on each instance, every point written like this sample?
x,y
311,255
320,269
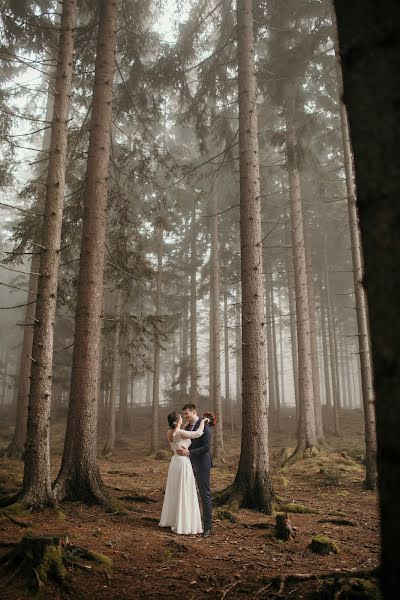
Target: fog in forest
x,y
179,225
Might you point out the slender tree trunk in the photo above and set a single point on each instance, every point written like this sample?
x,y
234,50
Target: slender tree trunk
x,y
238,347
36,490
306,428
282,382
123,417
332,349
184,355
273,406
79,476
275,353
193,306
156,362
149,387
293,330
16,446
215,329
252,485
324,339
228,399
368,394
110,441
314,343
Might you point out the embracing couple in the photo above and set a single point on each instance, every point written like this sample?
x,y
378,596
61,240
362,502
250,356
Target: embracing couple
x,y
191,461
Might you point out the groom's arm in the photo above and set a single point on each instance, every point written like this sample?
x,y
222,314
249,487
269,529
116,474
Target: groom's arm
x,y
205,443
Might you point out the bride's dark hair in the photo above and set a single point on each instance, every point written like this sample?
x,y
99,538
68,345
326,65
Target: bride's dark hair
x,y
173,419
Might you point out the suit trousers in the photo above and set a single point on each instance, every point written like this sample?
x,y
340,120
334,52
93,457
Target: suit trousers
x,y
203,483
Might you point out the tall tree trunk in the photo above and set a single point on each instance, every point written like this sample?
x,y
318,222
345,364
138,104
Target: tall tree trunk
x,y
193,305
157,347
110,441
306,427
368,394
149,387
272,404
123,417
324,339
252,485
372,100
314,343
332,349
282,382
293,329
238,348
228,399
275,352
215,328
183,375
79,476
16,446
36,489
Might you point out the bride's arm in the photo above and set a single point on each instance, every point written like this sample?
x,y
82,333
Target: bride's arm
x,y
192,435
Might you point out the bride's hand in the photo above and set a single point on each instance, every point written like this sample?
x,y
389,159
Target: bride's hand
x,y
206,420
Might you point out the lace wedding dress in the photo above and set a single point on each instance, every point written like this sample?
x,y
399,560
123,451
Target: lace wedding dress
x,y
181,509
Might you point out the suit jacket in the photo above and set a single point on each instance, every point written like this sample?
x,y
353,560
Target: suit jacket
x,y
200,449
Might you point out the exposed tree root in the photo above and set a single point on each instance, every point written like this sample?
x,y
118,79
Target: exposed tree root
x,y
300,452
257,497
5,514
38,559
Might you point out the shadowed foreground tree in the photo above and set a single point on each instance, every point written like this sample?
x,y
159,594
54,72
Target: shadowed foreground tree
x,y
369,44
79,476
252,486
364,343
36,488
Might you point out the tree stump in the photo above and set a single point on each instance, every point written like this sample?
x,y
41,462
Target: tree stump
x,y
37,559
283,528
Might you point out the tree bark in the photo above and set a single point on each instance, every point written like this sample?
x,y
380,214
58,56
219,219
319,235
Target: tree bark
x,y
272,404
156,360
36,488
370,53
252,485
215,328
368,394
123,417
306,427
324,339
238,347
193,395
332,348
293,329
79,476
314,342
110,441
16,446
275,353
228,399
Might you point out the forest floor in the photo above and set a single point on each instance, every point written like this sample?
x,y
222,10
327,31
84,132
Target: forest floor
x,y
238,561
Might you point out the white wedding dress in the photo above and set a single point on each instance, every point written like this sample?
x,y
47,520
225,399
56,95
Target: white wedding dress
x,y
181,509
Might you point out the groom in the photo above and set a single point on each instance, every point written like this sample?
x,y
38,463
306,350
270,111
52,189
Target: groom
x,y
199,453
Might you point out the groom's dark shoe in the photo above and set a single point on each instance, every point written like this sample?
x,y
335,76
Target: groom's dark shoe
x,y
207,533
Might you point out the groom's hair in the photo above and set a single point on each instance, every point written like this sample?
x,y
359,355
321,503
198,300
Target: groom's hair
x,y
189,406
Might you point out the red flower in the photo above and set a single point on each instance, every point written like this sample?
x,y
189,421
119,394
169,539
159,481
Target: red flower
x,y
212,417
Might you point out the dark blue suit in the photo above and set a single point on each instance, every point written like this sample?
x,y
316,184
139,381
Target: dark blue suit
x,y
201,462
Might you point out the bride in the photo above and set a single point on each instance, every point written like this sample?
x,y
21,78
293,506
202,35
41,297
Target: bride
x,y
181,509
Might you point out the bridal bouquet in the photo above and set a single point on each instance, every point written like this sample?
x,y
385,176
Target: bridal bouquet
x,y
212,417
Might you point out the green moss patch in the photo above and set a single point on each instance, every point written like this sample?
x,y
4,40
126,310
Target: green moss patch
x,y
322,544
